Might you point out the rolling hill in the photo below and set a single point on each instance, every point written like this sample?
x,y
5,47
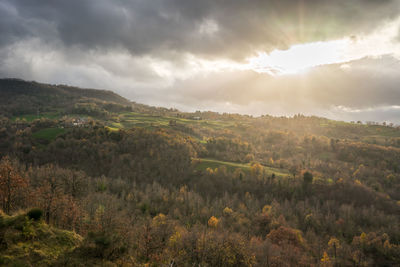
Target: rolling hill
x,y
22,97
126,184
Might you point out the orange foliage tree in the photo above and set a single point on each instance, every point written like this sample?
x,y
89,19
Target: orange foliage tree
x,y
11,185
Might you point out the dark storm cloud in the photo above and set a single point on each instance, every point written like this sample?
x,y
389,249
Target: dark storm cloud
x,y
209,27
14,27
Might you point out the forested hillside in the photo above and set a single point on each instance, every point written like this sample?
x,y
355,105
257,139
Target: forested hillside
x,y
21,97
125,184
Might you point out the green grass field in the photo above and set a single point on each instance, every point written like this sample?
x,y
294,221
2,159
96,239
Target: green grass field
x,y
232,166
48,133
132,119
363,130
32,117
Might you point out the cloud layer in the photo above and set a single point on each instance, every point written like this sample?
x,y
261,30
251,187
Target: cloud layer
x,y
210,27
188,54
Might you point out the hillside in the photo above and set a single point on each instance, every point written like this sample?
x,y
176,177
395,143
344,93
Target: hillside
x,y
144,185
26,242
22,97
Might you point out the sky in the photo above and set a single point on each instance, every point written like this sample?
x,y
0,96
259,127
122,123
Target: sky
x,y
331,58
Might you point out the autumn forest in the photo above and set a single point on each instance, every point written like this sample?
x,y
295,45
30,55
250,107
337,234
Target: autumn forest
x,y
89,178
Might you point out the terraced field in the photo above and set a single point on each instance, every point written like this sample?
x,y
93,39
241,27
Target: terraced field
x,y
131,119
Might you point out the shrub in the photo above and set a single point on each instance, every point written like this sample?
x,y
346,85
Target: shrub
x,y
308,177
35,214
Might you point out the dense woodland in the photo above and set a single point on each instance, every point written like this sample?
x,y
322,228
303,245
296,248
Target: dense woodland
x,y
306,191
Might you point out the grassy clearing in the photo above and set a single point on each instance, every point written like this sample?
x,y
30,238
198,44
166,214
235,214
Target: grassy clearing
x,y
363,129
48,133
114,129
232,166
32,117
133,119
213,164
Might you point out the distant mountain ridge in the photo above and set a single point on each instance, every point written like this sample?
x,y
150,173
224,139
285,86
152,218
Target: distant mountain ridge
x,y
19,96
9,87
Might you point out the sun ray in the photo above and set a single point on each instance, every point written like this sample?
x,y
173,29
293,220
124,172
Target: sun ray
x,y
301,57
